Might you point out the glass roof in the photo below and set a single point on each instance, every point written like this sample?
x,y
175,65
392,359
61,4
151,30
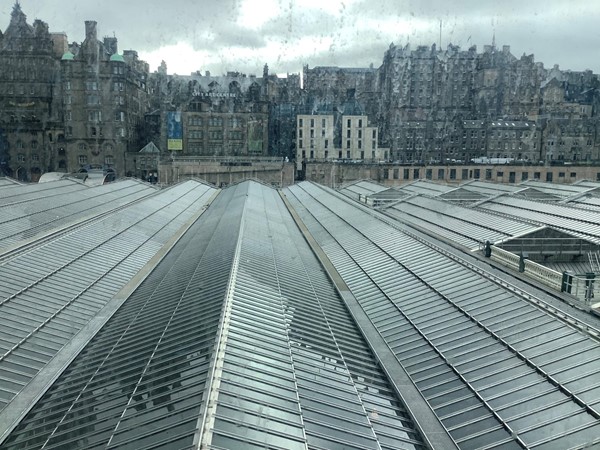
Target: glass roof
x,y
584,223
462,225
26,218
50,293
497,370
237,338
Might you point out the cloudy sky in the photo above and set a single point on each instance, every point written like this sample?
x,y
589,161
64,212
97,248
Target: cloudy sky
x,y
243,35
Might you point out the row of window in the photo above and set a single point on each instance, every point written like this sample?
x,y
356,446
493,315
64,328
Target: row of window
x,y
471,174
108,159
93,86
96,116
233,122
324,123
340,154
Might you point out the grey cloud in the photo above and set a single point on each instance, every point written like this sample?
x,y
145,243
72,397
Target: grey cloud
x,y
555,31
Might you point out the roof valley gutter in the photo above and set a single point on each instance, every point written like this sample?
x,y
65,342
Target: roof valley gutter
x,y
206,421
18,408
433,432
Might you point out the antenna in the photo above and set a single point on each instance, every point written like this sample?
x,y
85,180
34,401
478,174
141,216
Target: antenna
x,y
440,34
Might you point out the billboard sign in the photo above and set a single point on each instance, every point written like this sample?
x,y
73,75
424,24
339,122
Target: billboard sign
x,y
174,131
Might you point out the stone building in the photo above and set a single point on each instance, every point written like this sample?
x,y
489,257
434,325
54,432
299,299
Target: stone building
x,y
438,105
318,139
30,111
66,107
105,97
221,115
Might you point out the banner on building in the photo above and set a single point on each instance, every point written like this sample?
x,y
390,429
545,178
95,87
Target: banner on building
x,y
174,131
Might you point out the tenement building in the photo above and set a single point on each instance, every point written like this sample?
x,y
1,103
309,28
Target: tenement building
x,y
66,107
320,139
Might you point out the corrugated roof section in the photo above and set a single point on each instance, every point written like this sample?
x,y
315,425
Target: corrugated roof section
x,y
291,368
425,187
459,224
48,294
8,182
28,192
579,222
497,370
24,220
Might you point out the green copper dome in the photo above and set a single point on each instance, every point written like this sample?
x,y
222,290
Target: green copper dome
x,y
116,57
68,56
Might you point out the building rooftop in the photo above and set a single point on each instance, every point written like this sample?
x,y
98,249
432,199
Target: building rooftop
x,y
250,317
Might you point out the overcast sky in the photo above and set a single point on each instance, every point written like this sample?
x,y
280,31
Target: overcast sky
x,y
243,35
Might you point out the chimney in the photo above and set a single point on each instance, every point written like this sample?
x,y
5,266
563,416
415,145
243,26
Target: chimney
x,y
90,30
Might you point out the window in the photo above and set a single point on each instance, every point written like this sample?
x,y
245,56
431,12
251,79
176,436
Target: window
x,y
94,116
499,174
67,85
21,158
120,116
549,176
82,159
349,123
235,135
359,123
359,144
348,133
236,122
477,174
300,133
348,154
537,175
118,86
441,174
429,174
68,116
347,144
109,159
561,174
300,123
374,134
406,173
524,176
488,174
465,174
91,85
215,134
215,122
92,100
195,121
195,134
326,143
323,122
416,174
34,144
573,174
312,123
300,143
